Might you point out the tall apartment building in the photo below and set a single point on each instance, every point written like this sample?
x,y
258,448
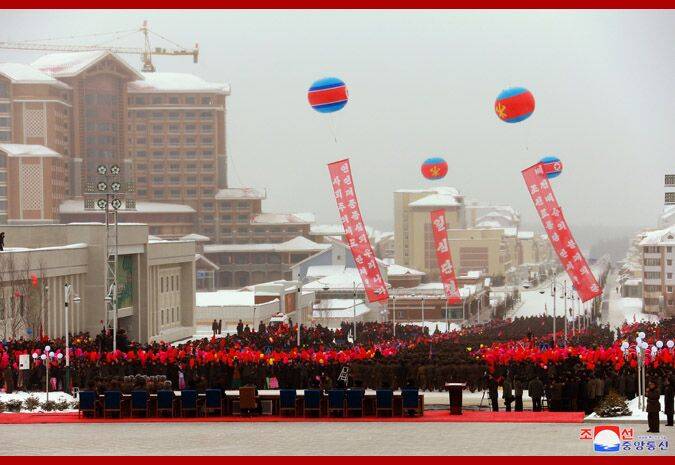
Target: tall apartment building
x,y
658,271
176,142
482,237
67,113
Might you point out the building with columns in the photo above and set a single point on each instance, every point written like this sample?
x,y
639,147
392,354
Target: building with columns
x,y
156,282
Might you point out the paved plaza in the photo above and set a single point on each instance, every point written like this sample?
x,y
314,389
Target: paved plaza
x,y
303,439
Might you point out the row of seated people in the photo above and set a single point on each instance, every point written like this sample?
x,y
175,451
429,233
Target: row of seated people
x,y
333,402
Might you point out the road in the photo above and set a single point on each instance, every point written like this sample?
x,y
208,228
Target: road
x,y
303,439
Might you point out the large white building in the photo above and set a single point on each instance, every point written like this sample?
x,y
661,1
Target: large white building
x,y
658,271
156,282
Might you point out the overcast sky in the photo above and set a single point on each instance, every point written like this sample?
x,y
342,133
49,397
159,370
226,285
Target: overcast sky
x,y
423,84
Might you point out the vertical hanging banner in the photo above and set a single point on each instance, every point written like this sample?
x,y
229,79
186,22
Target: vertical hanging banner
x,y
355,230
444,257
561,238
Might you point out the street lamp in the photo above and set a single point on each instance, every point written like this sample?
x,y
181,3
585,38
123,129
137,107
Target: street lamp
x,y
424,325
67,292
393,302
47,356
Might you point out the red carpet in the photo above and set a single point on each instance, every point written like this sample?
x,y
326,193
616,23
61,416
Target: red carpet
x,y
430,416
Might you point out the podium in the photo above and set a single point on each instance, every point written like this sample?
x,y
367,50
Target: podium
x,y
455,392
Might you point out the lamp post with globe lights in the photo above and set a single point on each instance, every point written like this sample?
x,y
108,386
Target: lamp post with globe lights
x,y
47,357
641,349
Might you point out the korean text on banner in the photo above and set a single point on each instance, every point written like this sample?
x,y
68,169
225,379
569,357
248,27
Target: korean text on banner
x,y
444,256
561,238
355,231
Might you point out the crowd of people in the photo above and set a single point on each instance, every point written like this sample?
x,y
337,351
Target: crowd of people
x,y
517,355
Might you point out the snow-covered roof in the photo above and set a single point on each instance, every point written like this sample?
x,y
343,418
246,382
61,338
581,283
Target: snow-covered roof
x,y
434,290
176,82
510,232
399,270
23,150
525,235
78,245
240,193
489,224
307,217
433,190
337,281
632,282
437,200
224,298
278,218
195,237
339,308
659,237
200,257
326,230
297,244
73,63
77,206
321,271
20,73
301,244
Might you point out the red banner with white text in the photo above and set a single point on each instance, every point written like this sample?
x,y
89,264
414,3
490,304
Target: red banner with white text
x,y
355,230
444,256
559,234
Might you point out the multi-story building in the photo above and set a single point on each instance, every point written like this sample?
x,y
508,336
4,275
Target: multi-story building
x,y
67,113
176,141
658,271
472,249
156,282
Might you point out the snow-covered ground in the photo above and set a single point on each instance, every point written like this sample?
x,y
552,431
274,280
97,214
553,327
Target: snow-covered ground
x,y
638,416
56,396
539,301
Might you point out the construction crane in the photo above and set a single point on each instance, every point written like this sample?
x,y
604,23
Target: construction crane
x,y
146,52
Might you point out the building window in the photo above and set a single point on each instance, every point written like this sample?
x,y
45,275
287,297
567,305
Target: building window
x,y
207,128
190,128
157,141
191,193
207,206
191,154
174,154
174,128
207,140
137,100
174,179
190,115
175,193
226,217
190,100
141,153
206,115
158,179
191,179
174,115
159,193
174,100
652,262
191,141
191,167
157,167
242,217
157,154
157,128
174,167
157,100
139,140
174,141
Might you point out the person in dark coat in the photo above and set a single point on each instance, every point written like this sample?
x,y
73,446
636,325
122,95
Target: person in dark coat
x,y
668,394
507,393
220,326
535,390
214,327
2,241
493,393
653,407
518,390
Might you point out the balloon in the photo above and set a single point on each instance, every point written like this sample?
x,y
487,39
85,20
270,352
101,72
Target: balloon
x,y
552,166
434,168
645,345
34,279
47,348
638,341
514,105
670,344
641,335
625,345
659,344
328,95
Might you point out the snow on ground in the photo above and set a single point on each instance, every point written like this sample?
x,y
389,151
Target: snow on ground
x,y
638,415
56,396
539,301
